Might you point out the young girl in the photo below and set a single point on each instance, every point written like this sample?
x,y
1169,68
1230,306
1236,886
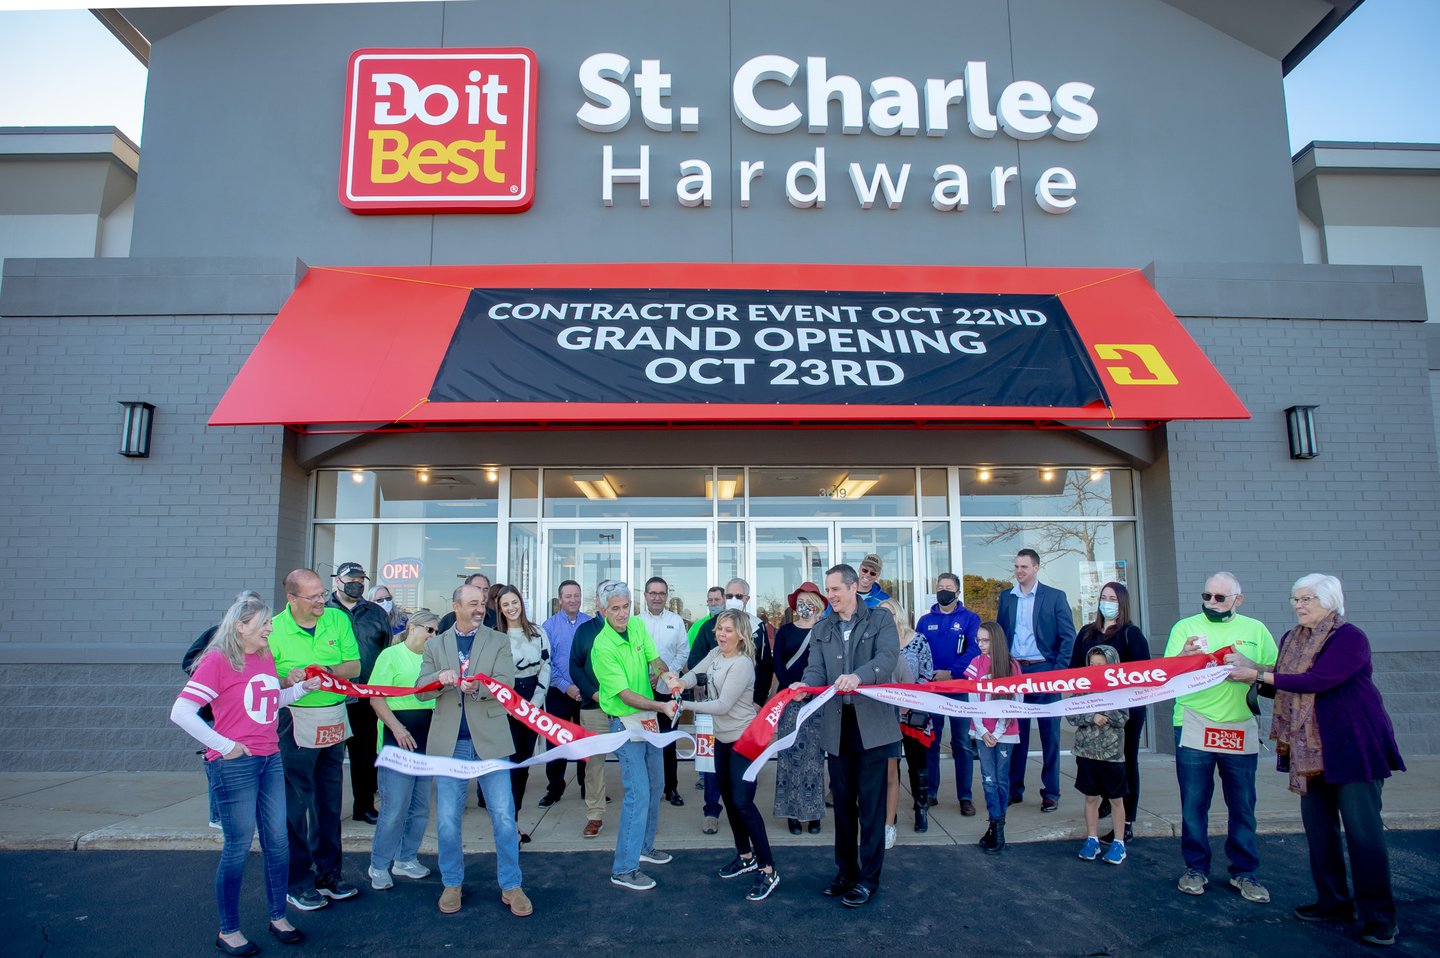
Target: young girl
x,y
995,738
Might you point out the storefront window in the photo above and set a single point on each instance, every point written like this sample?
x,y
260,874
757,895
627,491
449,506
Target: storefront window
x,y
934,492
840,492
936,538
1040,491
524,573
407,494
524,493
421,563
627,493
730,491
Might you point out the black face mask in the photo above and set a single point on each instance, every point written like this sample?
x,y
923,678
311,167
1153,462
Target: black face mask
x,y
945,596
1214,616
353,589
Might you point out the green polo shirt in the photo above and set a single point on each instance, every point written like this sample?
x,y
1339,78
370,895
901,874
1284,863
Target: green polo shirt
x,y
622,662
1224,702
294,648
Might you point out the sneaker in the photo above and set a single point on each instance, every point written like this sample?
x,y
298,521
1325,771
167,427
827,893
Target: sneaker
x,y
635,879
336,888
308,900
657,857
592,828
1319,912
215,823
380,881
889,837
1250,889
740,866
410,869
711,825
765,883
1091,849
1115,854
1373,934
1193,882
1049,804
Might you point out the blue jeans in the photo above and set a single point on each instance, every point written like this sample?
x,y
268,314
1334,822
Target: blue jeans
x,y
250,791
450,810
995,777
713,800
959,750
1195,770
642,776
404,811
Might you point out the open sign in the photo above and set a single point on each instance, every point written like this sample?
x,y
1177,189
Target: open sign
x,y
402,570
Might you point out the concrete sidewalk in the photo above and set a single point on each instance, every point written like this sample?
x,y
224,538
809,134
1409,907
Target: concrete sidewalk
x,y
169,810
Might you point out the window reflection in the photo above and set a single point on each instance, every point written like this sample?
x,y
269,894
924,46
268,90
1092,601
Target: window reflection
x,y
1039,491
831,491
433,493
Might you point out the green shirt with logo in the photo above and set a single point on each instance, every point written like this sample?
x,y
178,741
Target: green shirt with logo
x,y
397,665
1224,702
622,662
294,648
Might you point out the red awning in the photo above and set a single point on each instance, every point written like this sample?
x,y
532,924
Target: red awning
x,y
361,348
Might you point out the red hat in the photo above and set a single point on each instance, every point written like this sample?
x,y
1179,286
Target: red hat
x,y
807,587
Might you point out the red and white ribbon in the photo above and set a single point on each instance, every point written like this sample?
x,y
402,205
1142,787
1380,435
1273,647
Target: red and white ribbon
x,y
418,763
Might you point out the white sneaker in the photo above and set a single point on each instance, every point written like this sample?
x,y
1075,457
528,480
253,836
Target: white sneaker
x,y
379,880
410,869
889,836
215,824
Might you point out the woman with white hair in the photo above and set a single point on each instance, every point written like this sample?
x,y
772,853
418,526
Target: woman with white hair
x,y
1337,744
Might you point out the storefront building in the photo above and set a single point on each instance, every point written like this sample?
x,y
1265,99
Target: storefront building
x,y
998,275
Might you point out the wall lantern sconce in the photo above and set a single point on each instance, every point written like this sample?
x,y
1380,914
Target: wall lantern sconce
x,y
135,434
1300,424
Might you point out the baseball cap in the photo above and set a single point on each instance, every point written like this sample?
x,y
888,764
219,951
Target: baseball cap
x,y
349,569
873,561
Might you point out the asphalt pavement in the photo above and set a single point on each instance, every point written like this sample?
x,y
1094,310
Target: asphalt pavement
x,y
1036,899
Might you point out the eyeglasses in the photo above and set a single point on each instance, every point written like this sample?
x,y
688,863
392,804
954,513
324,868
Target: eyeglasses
x,y
309,598
1217,596
736,595
657,595
429,628
1299,600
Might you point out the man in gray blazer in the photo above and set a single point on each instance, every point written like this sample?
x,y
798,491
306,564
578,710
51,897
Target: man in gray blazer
x,y
855,646
469,724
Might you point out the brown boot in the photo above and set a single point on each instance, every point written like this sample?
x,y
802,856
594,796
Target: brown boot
x,y
450,899
518,901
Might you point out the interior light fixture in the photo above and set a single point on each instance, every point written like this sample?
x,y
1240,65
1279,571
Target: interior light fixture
x,y
135,432
492,475
1047,475
856,484
1097,474
1300,424
594,485
727,488
983,475
357,475
423,475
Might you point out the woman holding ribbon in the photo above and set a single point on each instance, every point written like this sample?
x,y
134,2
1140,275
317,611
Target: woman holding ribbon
x,y
729,671
530,648
404,723
1336,742
242,762
799,769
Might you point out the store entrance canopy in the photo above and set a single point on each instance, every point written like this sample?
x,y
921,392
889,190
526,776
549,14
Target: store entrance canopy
x,y
372,349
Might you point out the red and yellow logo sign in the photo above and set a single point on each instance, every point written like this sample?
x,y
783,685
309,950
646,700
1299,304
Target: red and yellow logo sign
x,y
439,131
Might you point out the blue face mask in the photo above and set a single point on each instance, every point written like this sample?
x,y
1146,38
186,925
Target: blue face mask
x,y
1110,610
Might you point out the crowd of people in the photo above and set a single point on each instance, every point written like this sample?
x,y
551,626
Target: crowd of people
x,y
274,740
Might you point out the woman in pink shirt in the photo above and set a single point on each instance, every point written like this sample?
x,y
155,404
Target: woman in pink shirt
x,y
235,676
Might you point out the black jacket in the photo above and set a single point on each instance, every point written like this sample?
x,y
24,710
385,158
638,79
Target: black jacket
x,y
371,624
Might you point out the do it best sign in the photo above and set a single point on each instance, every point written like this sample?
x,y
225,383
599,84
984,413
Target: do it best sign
x,y
439,131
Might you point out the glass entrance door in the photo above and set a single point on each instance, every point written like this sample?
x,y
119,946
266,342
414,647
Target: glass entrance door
x,y
678,554
895,545
786,554
633,551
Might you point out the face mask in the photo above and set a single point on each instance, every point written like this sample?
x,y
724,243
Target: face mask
x,y
387,605
945,596
1110,610
735,604
353,589
805,610
1214,616
715,609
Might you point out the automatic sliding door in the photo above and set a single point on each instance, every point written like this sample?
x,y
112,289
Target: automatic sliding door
x,y
678,554
786,556
895,545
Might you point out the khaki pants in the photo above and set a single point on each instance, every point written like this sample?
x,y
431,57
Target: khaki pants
x,y
594,720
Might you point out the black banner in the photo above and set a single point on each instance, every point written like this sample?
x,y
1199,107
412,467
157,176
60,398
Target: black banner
x,y
765,346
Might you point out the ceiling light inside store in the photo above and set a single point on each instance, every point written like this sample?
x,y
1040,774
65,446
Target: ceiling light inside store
x,y
492,475
727,488
472,561
1097,474
858,483
594,485
1047,474
357,475
983,475
423,475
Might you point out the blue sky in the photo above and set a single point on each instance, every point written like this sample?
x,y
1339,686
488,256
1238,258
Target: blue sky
x,y
1372,80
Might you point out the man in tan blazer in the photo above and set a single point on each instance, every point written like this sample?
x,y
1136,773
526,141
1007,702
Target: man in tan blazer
x,y
469,724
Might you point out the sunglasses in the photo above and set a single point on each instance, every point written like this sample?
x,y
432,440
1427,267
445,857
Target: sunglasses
x,y
429,628
869,572
735,595
1216,596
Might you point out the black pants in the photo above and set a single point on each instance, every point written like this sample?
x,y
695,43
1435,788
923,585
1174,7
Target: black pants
x,y
746,822
313,779
362,746
667,754
916,755
858,784
1357,804
1134,728
524,739
560,705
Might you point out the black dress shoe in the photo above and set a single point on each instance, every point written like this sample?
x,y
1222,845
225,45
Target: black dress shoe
x,y
1016,799
524,838
1318,912
548,800
241,951
369,816
673,797
292,937
814,828
857,896
838,888
794,826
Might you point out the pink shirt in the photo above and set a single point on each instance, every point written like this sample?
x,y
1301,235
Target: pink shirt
x,y
1005,730
246,703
